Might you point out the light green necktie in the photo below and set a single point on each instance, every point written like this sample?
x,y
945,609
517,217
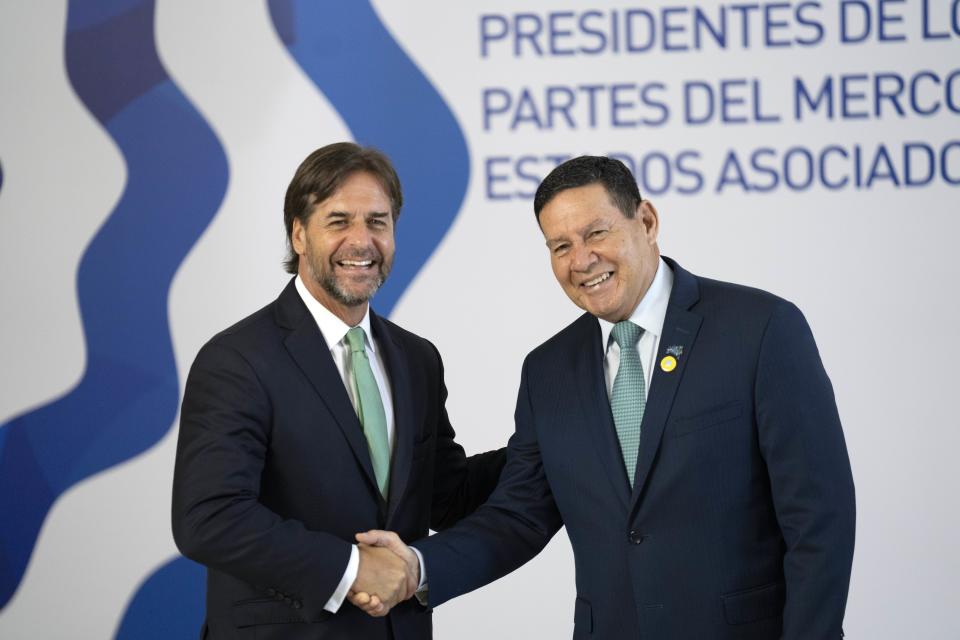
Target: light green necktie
x,y
370,409
629,396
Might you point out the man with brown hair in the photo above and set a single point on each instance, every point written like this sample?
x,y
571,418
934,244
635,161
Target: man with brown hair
x,y
313,419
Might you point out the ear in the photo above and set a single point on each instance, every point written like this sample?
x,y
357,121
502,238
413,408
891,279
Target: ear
x,y
298,237
650,219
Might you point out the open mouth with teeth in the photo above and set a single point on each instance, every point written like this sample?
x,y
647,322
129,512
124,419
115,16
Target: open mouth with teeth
x,y
355,264
595,283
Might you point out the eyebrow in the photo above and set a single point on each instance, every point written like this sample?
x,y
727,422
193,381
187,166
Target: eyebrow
x,y
581,231
347,214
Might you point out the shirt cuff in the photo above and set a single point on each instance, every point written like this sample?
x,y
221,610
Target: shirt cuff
x,y
349,577
423,569
422,588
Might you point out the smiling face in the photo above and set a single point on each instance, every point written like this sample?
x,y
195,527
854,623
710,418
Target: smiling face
x,y
603,260
346,246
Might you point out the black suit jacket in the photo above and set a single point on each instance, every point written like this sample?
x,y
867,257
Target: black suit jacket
x,y
273,475
740,524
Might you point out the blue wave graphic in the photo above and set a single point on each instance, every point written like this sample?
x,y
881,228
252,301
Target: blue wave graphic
x,y
177,175
388,103
169,604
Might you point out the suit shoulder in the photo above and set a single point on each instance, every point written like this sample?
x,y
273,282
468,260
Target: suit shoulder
x,y
566,340
738,298
746,312
257,330
410,341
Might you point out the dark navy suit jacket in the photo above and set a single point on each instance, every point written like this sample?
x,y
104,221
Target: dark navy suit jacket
x,y
740,524
273,475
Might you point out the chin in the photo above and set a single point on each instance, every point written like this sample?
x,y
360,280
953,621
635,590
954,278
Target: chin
x,y
595,311
601,309
361,296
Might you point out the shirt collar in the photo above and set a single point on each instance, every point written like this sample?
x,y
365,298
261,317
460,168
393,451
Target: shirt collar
x,y
333,328
652,309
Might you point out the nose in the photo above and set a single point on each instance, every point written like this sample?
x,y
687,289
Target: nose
x,y
359,236
582,258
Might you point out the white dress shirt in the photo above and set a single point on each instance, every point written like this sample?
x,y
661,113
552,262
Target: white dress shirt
x,y
334,332
649,316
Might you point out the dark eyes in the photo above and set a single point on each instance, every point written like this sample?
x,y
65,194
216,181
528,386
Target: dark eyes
x,y
596,234
380,223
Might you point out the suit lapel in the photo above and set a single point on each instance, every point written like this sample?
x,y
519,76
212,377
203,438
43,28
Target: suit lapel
x,y
398,371
590,382
680,328
308,349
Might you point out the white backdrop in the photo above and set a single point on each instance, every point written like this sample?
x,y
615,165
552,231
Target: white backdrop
x,y
873,265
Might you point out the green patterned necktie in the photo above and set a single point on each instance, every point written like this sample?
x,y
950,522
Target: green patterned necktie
x,y
370,409
629,396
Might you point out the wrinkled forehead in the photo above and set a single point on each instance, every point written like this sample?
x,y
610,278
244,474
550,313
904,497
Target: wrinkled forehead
x,y
357,192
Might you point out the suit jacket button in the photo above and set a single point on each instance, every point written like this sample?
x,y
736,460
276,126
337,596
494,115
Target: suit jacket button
x,y
297,604
634,537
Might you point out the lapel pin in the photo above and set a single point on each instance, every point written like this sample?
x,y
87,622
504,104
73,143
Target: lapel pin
x,y
668,364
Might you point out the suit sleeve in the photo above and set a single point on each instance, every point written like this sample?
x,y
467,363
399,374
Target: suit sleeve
x,y
461,484
217,517
511,528
803,445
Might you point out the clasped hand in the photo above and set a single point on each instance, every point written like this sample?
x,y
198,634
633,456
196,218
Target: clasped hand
x,y
389,573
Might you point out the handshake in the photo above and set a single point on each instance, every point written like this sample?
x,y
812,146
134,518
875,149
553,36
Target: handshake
x,y
389,573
